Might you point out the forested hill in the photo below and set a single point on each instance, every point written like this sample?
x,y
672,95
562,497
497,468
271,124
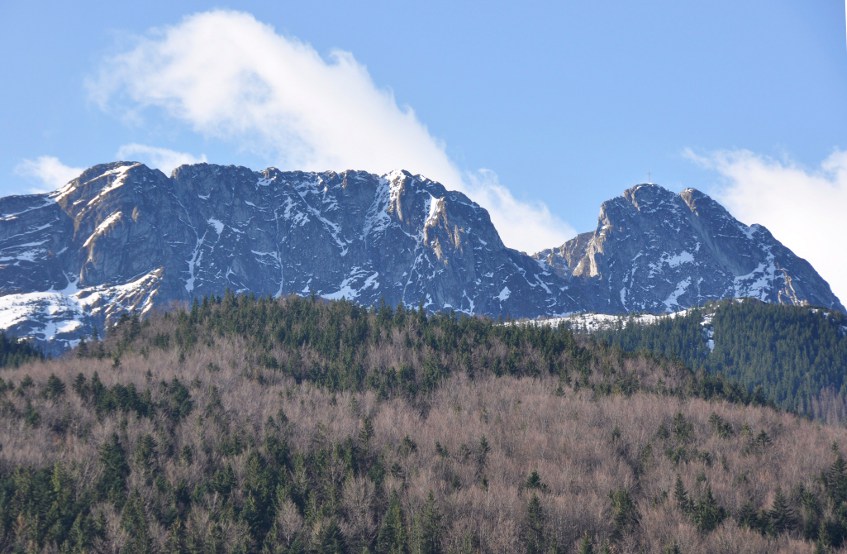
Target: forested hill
x,y
14,352
295,425
796,356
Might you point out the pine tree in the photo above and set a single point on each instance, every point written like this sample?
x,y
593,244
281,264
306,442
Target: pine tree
x,y
428,529
391,538
707,513
835,479
781,516
115,470
134,522
625,514
683,502
532,534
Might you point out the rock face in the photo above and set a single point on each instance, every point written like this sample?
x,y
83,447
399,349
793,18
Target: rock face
x,y
122,238
655,251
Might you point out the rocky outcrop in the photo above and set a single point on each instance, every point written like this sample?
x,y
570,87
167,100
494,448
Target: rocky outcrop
x,y
123,238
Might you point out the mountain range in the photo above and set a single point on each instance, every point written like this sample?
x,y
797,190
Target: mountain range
x,y
123,238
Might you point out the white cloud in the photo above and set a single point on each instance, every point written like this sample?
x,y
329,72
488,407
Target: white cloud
x,y
531,222
161,158
229,76
803,208
48,172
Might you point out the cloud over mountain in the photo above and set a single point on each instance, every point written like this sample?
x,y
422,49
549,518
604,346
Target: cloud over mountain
x,y
228,76
803,207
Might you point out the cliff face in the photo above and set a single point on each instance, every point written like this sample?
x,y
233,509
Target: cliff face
x,y
656,251
122,238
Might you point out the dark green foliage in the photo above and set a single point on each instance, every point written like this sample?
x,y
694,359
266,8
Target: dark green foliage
x,y
706,513
179,466
781,516
134,522
118,398
625,516
534,482
112,484
428,530
683,502
532,534
54,388
14,352
788,355
392,530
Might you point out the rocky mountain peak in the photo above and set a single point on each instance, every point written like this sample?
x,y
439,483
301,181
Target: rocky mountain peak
x,y
123,238
657,251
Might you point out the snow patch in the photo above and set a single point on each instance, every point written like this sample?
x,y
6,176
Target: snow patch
x,y
504,294
104,226
217,224
434,206
672,301
120,179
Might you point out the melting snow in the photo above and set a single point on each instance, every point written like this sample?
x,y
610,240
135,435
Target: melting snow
x,y
377,219
346,289
217,224
672,300
56,313
13,216
120,179
103,227
504,294
196,256
434,205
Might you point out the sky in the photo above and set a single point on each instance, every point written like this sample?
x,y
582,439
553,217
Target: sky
x,y
539,111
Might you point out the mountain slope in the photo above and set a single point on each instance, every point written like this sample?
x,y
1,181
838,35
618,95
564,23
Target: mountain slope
x,y
297,425
796,356
122,238
655,251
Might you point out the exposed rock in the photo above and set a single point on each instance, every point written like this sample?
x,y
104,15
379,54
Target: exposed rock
x,y
122,238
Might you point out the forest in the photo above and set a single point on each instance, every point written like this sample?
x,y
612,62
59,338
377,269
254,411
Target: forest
x,y
296,425
795,356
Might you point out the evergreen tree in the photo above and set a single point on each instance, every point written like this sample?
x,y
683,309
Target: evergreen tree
x,y
391,538
625,516
707,514
781,517
428,529
532,533
134,522
115,470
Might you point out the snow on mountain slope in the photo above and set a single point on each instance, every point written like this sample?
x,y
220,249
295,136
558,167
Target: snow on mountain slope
x,y
123,238
656,251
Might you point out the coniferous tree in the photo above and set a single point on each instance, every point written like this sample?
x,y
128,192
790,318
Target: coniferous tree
x,y
391,538
781,517
428,529
532,534
115,470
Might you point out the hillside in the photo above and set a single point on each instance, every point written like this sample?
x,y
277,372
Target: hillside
x,y
247,425
796,356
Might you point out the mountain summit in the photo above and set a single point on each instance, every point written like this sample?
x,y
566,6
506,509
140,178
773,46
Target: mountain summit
x,y
655,251
123,238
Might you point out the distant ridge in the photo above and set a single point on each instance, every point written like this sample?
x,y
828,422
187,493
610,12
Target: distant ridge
x,y
123,238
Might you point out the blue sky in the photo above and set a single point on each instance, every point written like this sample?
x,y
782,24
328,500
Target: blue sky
x,y
537,110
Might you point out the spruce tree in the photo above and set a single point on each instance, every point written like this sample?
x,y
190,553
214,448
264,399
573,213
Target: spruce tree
x,y
532,534
391,538
428,529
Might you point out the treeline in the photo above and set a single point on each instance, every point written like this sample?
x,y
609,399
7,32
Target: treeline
x,y
255,425
796,357
14,352
400,352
